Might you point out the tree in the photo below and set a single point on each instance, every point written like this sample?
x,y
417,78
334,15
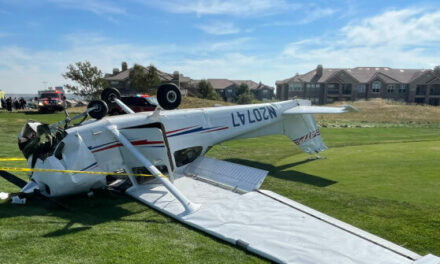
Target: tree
x,y
144,79
245,98
207,91
244,95
153,79
242,89
89,80
204,88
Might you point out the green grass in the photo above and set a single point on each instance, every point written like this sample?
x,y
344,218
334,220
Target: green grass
x,y
384,180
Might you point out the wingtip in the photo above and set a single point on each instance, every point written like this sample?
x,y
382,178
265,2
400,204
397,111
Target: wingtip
x,y
350,109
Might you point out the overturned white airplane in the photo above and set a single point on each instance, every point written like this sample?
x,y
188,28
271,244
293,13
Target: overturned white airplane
x,y
220,198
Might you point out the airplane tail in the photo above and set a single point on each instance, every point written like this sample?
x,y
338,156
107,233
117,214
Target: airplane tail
x,y
299,124
304,132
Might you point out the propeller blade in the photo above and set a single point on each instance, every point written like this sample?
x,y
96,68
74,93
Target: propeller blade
x,y
13,179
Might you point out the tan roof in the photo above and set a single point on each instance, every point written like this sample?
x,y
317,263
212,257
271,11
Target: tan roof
x,y
123,75
251,84
220,84
361,74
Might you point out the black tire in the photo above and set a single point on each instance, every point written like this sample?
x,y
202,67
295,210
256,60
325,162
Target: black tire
x,y
100,112
168,96
109,95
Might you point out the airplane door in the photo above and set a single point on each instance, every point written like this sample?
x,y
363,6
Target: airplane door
x,y
151,143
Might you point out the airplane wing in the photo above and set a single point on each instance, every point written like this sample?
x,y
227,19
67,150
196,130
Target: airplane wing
x,y
232,208
304,109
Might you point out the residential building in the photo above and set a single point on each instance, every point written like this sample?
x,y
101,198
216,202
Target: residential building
x,y
326,85
228,89
120,79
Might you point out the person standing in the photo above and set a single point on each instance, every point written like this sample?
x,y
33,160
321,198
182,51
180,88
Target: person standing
x,y
9,104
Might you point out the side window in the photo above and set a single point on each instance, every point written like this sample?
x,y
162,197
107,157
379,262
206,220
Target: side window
x,y
376,86
185,156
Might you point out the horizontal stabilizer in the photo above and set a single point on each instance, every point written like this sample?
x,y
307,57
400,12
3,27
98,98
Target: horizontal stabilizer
x,y
305,109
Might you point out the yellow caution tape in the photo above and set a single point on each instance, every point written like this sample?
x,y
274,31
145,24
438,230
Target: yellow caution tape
x,y
75,171
12,159
68,171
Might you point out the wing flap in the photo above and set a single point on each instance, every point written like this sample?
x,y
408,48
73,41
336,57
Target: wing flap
x,y
226,174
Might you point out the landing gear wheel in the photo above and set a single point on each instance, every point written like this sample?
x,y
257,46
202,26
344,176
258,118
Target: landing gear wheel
x,y
168,96
110,94
100,111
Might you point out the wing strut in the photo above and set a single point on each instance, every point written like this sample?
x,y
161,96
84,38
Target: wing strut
x,y
187,204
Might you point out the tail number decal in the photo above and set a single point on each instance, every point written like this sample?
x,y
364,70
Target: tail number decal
x,y
241,118
306,137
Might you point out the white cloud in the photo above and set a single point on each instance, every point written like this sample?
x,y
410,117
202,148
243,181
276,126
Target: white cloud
x,y
304,15
316,14
399,27
220,28
98,7
389,39
242,8
23,70
398,38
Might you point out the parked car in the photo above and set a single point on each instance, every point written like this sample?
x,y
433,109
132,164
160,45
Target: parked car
x,y
139,103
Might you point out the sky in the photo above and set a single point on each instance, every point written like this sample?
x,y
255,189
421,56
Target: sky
x,y
260,40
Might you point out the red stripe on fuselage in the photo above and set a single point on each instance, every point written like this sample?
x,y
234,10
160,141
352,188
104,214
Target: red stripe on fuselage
x,y
135,143
177,130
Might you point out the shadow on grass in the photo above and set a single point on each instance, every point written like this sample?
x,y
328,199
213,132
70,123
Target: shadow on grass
x,y
290,175
85,213
41,113
78,210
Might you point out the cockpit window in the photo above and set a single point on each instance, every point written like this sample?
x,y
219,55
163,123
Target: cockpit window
x,y
185,156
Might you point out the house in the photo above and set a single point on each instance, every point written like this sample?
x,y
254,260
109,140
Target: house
x,y
120,79
326,85
228,89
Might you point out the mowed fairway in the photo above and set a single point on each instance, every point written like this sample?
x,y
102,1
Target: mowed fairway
x,y
385,180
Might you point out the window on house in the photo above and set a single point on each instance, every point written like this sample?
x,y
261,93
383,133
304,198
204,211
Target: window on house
x,y
434,101
435,89
298,87
346,88
390,88
376,86
421,90
361,88
333,88
403,88
312,87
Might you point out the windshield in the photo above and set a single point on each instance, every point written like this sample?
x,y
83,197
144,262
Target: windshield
x,y
49,95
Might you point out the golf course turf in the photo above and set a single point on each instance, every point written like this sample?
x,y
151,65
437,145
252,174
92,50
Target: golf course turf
x,y
384,179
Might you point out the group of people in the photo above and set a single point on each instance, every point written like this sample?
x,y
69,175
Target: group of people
x,y
9,103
